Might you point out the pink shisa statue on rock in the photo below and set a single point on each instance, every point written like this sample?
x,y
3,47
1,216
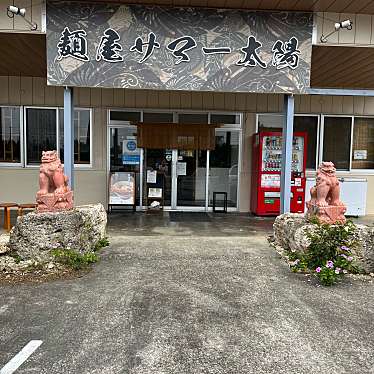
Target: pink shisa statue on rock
x,y
325,203
54,194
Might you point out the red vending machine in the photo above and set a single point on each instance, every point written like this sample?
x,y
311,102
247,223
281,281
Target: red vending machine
x,y
266,171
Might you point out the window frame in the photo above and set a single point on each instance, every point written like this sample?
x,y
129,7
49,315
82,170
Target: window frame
x,y
240,159
320,131
90,164
318,148
175,112
118,122
321,140
57,110
233,127
27,166
319,126
359,171
21,163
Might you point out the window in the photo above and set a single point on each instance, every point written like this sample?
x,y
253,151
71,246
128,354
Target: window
x,y
42,133
82,136
124,116
225,119
10,135
118,135
223,166
337,141
363,143
196,118
308,124
270,122
156,117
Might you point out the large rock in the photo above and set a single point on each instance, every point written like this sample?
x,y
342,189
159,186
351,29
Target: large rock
x,y
4,243
365,247
290,234
36,234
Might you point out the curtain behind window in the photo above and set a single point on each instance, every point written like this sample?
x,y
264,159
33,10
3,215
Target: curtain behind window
x,y
10,140
41,133
337,141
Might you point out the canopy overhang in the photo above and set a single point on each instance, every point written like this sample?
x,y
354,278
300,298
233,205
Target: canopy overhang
x,y
340,67
23,55
334,6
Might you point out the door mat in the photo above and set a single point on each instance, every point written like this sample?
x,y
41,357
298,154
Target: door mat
x,y
189,217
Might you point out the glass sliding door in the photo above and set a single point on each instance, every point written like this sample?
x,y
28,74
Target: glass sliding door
x,y
120,159
191,178
223,166
159,161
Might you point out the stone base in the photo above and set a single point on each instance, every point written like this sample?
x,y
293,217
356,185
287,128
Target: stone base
x,y
4,241
79,229
290,234
327,214
54,202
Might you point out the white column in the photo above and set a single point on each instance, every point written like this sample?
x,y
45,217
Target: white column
x,y
69,135
287,135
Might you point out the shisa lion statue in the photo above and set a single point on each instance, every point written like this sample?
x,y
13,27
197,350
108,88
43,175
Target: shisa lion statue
x,y
325,203
54,193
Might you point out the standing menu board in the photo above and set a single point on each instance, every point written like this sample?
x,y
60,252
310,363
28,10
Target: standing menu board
x,y
122,189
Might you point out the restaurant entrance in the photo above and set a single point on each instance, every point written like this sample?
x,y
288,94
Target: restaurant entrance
x,y
183,176
190,174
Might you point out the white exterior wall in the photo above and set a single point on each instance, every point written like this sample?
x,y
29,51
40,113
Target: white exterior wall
x,y
34,13
360,35
20,184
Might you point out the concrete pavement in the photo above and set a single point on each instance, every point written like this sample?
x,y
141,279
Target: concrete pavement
x,y
212,300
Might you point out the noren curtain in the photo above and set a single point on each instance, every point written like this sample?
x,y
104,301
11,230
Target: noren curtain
x,y
176,136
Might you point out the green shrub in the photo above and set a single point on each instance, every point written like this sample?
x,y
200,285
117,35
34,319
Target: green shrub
x,y
329,255
16,256
326,242
74,259
101,244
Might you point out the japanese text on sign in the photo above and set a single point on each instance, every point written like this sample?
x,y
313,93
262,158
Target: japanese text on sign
x,y
285,54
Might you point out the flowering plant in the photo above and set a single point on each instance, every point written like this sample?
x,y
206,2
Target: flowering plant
x,y
329,255
328,242
327,275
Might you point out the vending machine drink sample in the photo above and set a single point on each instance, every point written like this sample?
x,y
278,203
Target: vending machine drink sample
x,y
267,164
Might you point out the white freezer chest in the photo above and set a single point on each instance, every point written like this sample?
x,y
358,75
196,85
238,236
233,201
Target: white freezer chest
x,y
352,192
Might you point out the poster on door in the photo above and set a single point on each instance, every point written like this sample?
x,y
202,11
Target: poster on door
x,y
181,168
130,151
122,188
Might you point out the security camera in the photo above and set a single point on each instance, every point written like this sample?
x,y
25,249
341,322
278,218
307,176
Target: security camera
x,y
347,24
16,11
